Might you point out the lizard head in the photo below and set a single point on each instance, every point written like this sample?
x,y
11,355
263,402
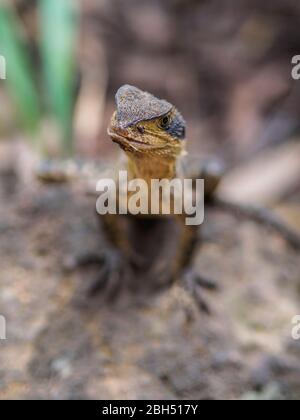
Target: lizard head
x,y
145,125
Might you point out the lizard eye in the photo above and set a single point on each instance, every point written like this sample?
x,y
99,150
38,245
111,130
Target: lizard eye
x,y
164,122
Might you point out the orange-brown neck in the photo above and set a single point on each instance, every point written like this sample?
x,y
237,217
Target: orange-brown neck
x,y
151,167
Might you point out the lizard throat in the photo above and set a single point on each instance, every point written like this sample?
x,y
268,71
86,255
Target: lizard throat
x,y
150,167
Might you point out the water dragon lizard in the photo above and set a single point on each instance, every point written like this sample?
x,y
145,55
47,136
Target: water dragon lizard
x,y
150,253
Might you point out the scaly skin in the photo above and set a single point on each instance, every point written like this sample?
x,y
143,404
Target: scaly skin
x,y
149,252
146,253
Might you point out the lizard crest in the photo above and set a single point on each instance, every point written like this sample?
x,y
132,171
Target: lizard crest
x,y
145,125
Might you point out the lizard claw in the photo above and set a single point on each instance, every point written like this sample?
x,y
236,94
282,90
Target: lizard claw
x,y
205,283
113,274
112,277
192,282
71,263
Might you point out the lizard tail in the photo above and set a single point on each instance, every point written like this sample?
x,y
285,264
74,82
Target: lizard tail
x,y
261,216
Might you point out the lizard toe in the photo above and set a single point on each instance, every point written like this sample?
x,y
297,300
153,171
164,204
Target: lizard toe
x,y
193,283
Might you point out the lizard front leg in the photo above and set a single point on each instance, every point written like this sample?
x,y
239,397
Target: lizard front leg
x,y
115,268
211,172
191,280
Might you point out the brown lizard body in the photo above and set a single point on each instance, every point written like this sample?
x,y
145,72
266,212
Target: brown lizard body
x,y
155,250
146,253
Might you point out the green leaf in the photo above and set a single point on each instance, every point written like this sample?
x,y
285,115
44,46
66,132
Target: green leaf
x,y
19,72
58,26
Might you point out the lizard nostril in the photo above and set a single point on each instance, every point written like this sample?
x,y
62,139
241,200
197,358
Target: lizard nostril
x,y
140,129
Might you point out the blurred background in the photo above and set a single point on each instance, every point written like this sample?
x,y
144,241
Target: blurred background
x,y
227,67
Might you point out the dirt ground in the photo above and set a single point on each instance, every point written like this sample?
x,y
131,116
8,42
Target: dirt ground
x,y
227,66
162,349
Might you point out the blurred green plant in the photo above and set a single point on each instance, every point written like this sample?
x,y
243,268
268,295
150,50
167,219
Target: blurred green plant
x,y
20,81
58,33
57,29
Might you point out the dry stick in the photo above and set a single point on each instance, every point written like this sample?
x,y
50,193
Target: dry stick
x,y
261,216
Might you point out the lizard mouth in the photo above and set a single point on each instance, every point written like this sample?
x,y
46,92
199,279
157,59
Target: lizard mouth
x,y
129,143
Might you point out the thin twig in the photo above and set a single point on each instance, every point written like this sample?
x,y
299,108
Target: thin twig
x,y
262,216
